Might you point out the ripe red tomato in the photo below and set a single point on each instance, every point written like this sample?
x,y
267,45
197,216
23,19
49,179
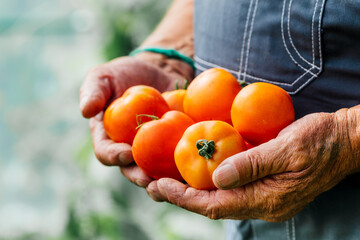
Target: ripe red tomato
x,y
260,111
155,142
248,145
202,148
120,121
210,95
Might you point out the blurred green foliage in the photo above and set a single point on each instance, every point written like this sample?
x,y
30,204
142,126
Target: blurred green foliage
x,y
128,27
120,40
94,206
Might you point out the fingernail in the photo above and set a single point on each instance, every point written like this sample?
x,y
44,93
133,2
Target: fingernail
x,y
125,158
83,102
226,176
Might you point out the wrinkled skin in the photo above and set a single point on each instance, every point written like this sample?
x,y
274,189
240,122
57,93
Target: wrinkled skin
x,y
104,84
273,181
277,179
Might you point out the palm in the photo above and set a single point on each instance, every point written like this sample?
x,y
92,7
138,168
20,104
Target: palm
x,y
275,180
238,203
102,85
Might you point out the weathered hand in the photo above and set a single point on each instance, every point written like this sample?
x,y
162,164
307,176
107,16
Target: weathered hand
x,y
107,82
275,180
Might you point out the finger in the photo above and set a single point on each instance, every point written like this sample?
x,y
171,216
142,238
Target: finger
x,y
249,201
106,150
154,192
206,203
136,175
183,196
250,165
95,91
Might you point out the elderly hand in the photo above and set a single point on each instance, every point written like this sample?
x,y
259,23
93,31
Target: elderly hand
x,y
275,180
107,82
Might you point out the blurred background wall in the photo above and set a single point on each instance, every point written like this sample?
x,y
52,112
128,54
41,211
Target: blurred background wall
x,y
51,185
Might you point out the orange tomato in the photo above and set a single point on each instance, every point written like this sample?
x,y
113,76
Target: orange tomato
x,y
202,148
210,95
175,99
260,111
155,142
120,121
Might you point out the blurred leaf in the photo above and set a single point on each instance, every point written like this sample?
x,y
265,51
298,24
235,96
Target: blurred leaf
x,y
72,226
83,154
120,199
120,42
125,25
132,231
92,225
105,226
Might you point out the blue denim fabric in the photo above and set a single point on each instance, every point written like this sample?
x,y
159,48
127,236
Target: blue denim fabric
x,y
310,48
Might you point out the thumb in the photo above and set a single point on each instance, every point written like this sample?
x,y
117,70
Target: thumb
x,y
248,166
95,91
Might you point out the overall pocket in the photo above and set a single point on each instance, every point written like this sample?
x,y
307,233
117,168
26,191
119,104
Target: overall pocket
x,y
277,42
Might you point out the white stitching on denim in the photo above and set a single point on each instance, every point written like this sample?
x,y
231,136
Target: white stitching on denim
x,y
293,228
319,34
304,84
312,31
287,230
320,50
253,229
284,41
249,39
198,59
209,64
197,66
279,83
244,38
312,34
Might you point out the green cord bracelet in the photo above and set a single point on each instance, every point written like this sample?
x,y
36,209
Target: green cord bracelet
x,y
171,53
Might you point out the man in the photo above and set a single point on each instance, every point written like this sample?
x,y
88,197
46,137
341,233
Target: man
x,y
305,182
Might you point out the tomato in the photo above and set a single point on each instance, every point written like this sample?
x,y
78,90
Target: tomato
x,y
175,99
260,111
248,145
120,121
202,148
210,95
155,142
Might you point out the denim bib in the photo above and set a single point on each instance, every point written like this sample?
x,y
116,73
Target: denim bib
x,y
310,48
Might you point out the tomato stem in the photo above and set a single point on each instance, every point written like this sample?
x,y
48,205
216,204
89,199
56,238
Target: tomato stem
x,y
243,83
139,119
184,87
206,148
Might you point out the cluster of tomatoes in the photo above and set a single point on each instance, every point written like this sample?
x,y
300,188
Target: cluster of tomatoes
x,y
186,134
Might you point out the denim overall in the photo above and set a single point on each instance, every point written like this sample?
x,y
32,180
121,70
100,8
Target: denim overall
x,y
310,48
